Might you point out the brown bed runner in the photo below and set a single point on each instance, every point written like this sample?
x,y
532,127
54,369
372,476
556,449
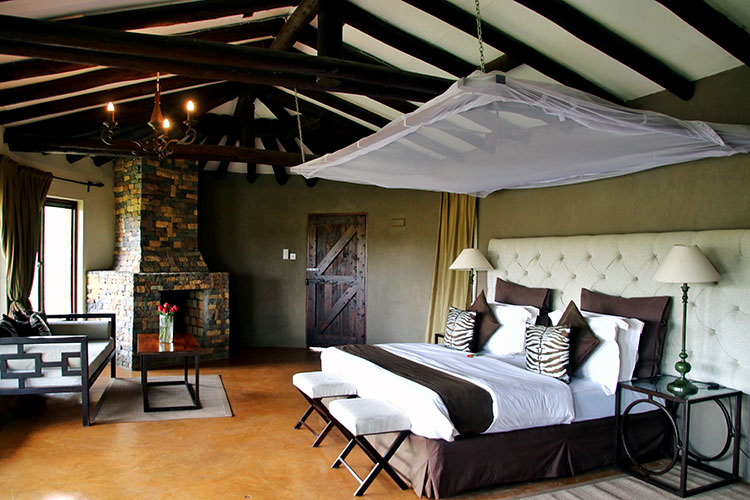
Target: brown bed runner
x,y
469,406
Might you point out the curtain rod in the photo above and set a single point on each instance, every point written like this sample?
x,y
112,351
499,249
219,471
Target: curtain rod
x,y
88,184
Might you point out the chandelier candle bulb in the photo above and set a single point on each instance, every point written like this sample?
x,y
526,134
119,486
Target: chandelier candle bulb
x,y
166,124
111,109
190,108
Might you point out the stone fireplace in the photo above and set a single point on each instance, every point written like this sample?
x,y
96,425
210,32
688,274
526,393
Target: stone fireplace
x,y
157,260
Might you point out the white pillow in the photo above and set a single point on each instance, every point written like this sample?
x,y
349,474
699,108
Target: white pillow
x,y
510,338
603,365
628,337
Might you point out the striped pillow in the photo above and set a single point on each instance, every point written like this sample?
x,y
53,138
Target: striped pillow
x,y
459,330
548,351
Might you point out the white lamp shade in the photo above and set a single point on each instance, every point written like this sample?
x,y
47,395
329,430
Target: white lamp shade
x,y
686,264
470,258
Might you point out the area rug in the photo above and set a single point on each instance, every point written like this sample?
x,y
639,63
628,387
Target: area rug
x,y
122,400
629,488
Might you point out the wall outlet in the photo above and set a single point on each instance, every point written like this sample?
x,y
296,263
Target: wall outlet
x,y
292,256
285,254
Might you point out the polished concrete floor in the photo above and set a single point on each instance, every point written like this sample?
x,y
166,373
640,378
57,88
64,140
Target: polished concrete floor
x,y
46,454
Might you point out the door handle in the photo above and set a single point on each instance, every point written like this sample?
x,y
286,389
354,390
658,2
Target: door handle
x,y
312,269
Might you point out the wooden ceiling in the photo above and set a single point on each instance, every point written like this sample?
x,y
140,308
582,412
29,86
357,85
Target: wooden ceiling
x,y
355,65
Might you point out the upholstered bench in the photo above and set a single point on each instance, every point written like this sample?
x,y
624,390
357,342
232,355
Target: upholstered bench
x,y
69,360
314,386
364,417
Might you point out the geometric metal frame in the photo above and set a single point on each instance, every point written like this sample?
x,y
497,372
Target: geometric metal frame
x,y
194,393
87,378
21,375
682,442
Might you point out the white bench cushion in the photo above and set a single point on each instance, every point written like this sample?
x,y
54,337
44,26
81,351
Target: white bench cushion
x,y
323,385
363,416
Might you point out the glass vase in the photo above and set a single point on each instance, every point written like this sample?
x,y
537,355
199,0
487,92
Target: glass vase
x,y
166,328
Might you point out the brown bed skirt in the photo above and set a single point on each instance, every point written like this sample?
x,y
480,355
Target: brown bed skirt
x,y
438,468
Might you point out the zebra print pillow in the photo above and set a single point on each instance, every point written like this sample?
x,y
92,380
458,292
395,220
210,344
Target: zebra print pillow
x,y
548,351
459,330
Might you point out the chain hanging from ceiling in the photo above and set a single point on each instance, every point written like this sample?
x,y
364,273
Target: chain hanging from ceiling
x,y
479,35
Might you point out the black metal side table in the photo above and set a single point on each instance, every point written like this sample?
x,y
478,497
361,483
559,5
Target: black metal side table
x,y
677,412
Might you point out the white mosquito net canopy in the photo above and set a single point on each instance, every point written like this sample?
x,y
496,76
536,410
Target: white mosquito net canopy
x,y
489,132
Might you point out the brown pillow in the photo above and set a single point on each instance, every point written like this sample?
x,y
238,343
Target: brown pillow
x,y
485,324
653,311
583,341
513,293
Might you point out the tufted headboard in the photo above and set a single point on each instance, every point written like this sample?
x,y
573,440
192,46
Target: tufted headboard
x,y
718,333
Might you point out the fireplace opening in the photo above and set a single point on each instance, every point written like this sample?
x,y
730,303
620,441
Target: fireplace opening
x,y
189,315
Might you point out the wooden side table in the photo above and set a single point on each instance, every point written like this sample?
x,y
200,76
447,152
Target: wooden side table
x,y
184,345
655,393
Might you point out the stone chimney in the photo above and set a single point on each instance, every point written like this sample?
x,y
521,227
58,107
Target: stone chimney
x,y
157,260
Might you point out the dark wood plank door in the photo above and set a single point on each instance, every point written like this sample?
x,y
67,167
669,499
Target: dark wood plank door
x,y
336,277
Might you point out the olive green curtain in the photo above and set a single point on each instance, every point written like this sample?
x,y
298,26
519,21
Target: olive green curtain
x,y
450,288
23,191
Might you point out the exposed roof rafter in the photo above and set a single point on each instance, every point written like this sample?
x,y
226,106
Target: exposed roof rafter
x,y
583,27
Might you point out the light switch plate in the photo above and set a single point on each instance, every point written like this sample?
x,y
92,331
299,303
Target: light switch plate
x,y
292,256
285,254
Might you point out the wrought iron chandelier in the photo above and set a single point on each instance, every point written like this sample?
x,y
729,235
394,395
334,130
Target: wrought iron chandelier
x,y
160,144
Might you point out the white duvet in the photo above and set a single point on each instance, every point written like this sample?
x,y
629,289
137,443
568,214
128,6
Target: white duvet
x,y
521,399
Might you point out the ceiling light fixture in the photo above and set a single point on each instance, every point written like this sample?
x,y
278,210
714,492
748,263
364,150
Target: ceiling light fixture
x,y
160,144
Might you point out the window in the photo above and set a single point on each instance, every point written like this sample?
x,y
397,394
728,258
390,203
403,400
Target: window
x,y
55,283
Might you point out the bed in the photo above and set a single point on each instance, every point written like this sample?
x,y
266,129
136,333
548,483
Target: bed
x,y
573,429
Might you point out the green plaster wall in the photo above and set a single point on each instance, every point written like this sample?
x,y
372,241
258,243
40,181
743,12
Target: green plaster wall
x,y
244,227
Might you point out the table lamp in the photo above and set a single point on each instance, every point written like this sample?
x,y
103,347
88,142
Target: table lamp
x,y
685,264
471,259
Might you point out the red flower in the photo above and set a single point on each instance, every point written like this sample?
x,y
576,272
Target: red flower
x,y
173,309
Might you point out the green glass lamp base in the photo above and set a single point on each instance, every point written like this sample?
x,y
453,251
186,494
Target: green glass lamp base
x,y
682,387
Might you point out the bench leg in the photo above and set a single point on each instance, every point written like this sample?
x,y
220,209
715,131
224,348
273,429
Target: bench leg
x,y
85,404
380,461
345,453
304,416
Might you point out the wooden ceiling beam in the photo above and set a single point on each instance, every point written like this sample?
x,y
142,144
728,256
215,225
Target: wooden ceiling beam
x,y
212,139
332,143
284,40
131,48
346,107
330,28
588,30
28,68
209,72
503,63
279,172
309,37
167,15
301,17
390,35
350,130
134,112
39,144
97,98
713,24
466,22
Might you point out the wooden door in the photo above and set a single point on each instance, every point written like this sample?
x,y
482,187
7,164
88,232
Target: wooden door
x,y
335,281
